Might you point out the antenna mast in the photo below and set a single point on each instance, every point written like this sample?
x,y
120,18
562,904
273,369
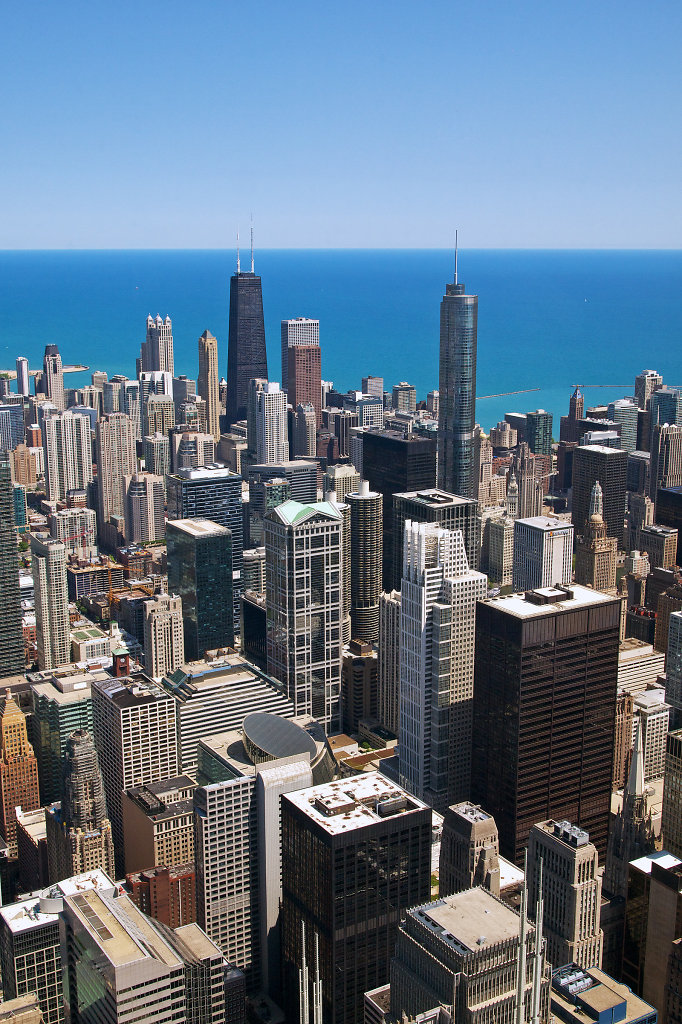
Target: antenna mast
x,y
252,244
455,255
238,269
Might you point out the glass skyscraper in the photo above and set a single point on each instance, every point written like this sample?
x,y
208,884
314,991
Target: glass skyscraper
x,y
246,355
11,637
200,571
457,389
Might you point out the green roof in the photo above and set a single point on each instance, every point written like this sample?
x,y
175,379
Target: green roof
x,y
292,512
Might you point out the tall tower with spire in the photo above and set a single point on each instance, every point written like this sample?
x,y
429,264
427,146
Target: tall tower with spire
x,y
632,831
18,770
457,389
595,560
246,354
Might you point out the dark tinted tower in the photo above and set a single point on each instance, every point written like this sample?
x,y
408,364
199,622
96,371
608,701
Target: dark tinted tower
x,y
246,355
457,387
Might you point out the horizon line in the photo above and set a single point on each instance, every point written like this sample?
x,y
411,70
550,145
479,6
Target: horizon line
x,y
342,248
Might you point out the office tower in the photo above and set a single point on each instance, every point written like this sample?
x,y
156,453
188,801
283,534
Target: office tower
x,y
67,440
665,406
158,415
272,443
53,377
133,720
61,705
157,348
208,382
539,432
48,563
373,386
158,824
130,402
215,493
404,398
595,559
666,458
299,331
470,952
645,385
164,644
592,463
545,687
111,395
304,378
340,842
652,928
652,715
624,411
22,376
673,667
184,394
116,459
571,891
457,389
12,430
253,570
341,479
671,811
640,513
388,668
668,512
366,539
79,834
18,770
154,382
437,633
157,455
200,572
358,685
501,550
11,637
305,440
304,601
264,495
433,403
341,422
469,851
255,385
168,894
370,411
543,553
300,473
432,505
660,543
144,516
246,354
394,463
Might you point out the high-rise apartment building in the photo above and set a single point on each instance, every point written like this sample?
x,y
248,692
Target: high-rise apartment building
x,y
571,891
437,637
539,432
665,468
341,842
130,405
341,479
48,565
158,415
164,642
304,584
592,463
76,528
53,377
595,558
208,382
645,384
373,386
432,505
457,389
116,459
246,354
665,406
22,376
157,348
191,449
305,432
18,770
501,550
366,547
299,331
67,441
272,439
79,836
404,397
157,455
11,639
625,412
528,470
200,573
135,735
543,553
145,519
304,378
545,689
388,667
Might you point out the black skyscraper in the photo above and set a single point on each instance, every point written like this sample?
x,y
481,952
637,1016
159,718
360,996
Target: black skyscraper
x,y
11,637
457,387
246,356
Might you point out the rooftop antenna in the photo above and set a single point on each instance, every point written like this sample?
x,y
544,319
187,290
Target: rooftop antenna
x,y
455,255
238,270
252,243
537,961
521,962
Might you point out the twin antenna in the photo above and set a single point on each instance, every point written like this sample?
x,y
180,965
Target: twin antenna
x,y
455,255
238,264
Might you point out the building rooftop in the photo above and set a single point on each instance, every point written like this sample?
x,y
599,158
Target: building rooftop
x,y
552,600
43,908
600,449
209,472
358,802
546,523
293,512
651,700
586,995
663,859
120,930
197,941
131,691
434,497
199,527
470,921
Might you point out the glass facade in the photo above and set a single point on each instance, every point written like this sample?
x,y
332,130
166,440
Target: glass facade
x,y
457,391
200,571
11,637
246,355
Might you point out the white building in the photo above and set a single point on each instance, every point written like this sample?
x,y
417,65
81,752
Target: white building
x,y
164,640
651,711
22,376
76,528
67,441
116,459
48,564
145,497
437,640
388,667
501,550
157,348
299,331
272,437
543,553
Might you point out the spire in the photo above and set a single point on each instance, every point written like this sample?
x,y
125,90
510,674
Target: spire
x,y
252,245
455,255
317,985
597,501
537,956
521,963
303,1004
238,267
635,786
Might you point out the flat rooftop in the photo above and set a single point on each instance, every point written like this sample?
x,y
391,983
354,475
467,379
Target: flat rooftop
x,y
663,859
546,523
558,601
197,941
27,914
358,802
586,994
471,921
434,497
131,691
120,930
199,527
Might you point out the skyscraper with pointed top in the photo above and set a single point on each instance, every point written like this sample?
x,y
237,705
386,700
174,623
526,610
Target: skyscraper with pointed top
x,y
246,354
18,770
457,389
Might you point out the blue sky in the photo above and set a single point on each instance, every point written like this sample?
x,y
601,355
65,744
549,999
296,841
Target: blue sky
x,y
529,124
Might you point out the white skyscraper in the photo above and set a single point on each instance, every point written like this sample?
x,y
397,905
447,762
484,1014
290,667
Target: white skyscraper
x,y
22,376
145,496
437,639
299,331
116,459
48,563
164,641
67,442
157,348
53,377
76,528
208,382
272,440
130,404
543,553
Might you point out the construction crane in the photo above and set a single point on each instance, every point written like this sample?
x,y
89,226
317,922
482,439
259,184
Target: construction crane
x,y
80,536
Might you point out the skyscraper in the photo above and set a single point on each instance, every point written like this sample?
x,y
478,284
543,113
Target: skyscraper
x,y
22,376
666,458
67,440
246,354
208,382
388,667
299,331
645,384
543,552
200,572
18,770
272,440
11,638
145,496
366,543
48,564
164,644
157,348
53,377
116,458
304,378
432,505
595,558
544,706
539,432
437,637
457,389
305,440
594,462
